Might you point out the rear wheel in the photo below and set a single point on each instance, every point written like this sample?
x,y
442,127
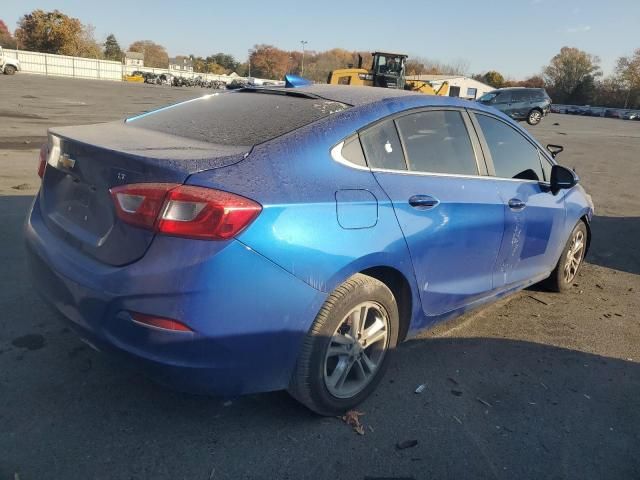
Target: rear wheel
x,y
346,352
570,261
9,69
534,117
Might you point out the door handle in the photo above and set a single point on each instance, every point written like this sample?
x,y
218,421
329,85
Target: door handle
x,y
423,202
516,204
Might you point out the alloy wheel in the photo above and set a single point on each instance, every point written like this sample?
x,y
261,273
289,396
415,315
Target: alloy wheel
x,y
534,117
356,350
574,256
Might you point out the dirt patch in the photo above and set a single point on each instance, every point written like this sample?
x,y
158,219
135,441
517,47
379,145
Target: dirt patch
x,y
22,143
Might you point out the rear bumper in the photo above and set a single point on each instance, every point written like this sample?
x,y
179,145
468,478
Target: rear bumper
x,y
249,316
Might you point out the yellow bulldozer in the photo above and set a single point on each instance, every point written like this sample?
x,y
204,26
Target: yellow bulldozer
x,y
387,71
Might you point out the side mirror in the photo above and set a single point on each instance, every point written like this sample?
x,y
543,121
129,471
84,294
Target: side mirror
x,y
562,178
555,149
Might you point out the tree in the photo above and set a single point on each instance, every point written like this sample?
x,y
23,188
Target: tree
x,y
224,60
199,64
268,61
628,74
6,39
569,70
55,32
584,93
611,92
112,50
154,55
493,78
220,63
536,81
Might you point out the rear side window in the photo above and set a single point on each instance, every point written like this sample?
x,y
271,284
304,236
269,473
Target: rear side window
x,y
513,156
520,96
382,147
538,95
237,118
352,151
437,142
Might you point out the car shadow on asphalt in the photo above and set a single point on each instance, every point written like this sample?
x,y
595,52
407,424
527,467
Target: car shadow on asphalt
x,y
616,243
490,408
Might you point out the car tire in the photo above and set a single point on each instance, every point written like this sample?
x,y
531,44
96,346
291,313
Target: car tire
x,y
534,117
9,70
571,260
337,369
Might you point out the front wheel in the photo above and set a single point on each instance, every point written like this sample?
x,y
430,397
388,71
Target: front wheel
x,y
346,352
570,261
534,117
9,70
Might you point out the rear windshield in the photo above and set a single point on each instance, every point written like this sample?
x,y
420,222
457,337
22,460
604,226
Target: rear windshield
x,y
237,118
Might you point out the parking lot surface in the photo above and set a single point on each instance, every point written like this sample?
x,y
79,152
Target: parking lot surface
x,y
540,385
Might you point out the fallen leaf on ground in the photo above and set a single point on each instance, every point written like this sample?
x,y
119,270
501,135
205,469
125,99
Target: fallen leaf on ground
x,y
352,418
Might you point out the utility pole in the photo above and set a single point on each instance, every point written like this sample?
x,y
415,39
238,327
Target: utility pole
x,y
303,42
251,51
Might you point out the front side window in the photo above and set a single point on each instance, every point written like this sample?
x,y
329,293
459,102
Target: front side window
x,y
382,147
503,97
513,155
437,142
546,167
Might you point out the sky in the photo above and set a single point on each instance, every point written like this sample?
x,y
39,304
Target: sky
x,y
515,37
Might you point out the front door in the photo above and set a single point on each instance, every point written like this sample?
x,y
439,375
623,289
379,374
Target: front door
x,y
534,217
452,218
503,102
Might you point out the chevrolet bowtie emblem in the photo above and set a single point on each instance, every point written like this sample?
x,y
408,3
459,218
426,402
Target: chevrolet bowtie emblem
x,y
66,161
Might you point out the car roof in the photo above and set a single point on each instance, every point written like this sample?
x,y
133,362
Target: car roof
x,y
518,88
351,95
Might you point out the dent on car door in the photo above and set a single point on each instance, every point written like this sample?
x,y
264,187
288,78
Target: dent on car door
x,y
451,218
519,104
534,217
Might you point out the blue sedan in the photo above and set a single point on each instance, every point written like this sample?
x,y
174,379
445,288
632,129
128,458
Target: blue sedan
x,y
291,238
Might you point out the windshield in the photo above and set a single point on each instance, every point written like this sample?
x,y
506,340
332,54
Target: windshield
x,y
239,119
390,64
487,97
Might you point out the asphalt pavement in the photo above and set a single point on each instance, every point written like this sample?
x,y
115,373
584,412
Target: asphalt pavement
x,y
540,385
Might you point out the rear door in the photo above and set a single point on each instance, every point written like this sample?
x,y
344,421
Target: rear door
x,y
520,102
534,217
451,217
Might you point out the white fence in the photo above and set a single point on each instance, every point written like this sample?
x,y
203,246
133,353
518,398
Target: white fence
x,y
65,66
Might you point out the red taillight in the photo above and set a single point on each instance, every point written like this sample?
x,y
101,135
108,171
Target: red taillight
x,y
184,210
159,322
139,204
44,150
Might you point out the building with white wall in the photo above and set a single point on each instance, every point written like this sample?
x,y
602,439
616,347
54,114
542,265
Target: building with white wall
x,y
459,85
180,64
134,59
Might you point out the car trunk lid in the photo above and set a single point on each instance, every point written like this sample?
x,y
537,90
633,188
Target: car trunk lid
x,y
85,162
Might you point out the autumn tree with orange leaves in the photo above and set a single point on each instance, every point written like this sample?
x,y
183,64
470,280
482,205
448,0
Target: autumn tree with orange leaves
x,y
6,39
55,32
